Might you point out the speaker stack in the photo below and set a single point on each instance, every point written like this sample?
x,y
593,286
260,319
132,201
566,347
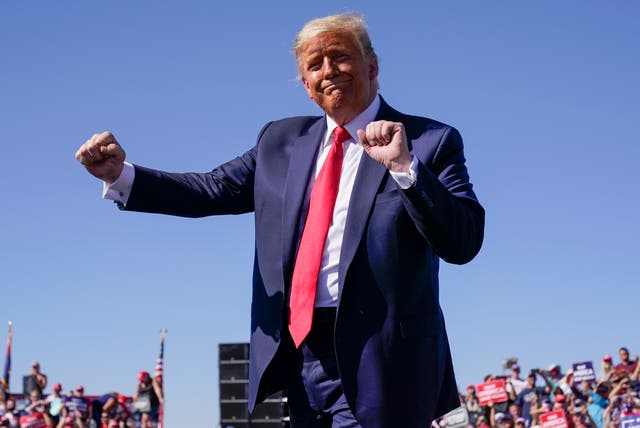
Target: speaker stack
x,y
233,359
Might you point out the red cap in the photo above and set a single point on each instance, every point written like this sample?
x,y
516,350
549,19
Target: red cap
x,y
57,387
142,375
560,398
606,358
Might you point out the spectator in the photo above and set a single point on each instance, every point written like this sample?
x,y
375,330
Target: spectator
x,y
600,404
527,397
145,400
37,410
71,419
566,384
541,405
580,417
10,417
481,422
514,411
552,382
517,383
555,373
123,413
56,403
105,404
503,420
41,378
105,420
77,402
474,410
606,370
559,402
36,403
626,366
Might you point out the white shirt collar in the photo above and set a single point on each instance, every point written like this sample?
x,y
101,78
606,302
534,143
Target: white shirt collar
x,y
359,122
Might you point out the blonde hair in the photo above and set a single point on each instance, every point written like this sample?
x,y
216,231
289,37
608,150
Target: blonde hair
x,y
341,23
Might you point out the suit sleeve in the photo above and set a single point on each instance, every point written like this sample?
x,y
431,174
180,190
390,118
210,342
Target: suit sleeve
x,y
443,205
228,189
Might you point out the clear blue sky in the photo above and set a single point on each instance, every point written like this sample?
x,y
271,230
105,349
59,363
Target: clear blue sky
x,y
546,95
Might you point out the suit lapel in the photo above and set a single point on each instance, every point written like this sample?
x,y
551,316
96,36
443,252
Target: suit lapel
x,y
301,165
370,175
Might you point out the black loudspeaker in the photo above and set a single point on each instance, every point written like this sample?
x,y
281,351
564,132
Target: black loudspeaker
x,y
29,384
233,363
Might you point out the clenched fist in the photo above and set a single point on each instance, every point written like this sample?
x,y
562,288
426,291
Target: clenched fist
x,y
102,156
386,142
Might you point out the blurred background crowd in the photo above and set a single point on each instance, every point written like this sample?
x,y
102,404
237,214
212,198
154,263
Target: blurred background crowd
x,y
601,402
73,409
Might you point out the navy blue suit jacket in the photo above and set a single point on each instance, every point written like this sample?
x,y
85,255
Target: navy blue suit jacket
x,y
391,345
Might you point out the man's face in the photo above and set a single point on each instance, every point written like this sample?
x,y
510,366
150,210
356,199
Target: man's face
x,y
531,381
337,75
624,355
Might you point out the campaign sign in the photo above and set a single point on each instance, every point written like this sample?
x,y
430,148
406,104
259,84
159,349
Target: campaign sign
x,y
553,420
584,372
630,421
457,418
34,420
492,391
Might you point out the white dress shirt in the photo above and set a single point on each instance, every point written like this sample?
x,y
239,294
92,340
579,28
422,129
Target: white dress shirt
x,y
327,290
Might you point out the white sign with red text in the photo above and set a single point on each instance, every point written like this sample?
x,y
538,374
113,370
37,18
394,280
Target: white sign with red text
x,y
554,420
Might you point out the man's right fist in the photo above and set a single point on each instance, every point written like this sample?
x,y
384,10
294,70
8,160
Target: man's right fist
x,y
102,156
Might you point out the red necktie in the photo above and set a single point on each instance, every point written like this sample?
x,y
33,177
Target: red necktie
x,y
305,272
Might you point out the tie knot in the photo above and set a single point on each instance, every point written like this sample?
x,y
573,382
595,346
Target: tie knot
x,y
340,135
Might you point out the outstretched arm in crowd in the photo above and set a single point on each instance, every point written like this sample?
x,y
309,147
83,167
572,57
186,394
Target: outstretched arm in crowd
x,y
546,380
511,390
157,387
616,390
636,373
492,414
585,411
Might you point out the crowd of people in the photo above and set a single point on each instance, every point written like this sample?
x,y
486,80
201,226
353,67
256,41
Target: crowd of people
x,y
600,403
74,409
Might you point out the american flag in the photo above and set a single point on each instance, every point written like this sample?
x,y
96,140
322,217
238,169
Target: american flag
x,y
159,372
7,362
160,360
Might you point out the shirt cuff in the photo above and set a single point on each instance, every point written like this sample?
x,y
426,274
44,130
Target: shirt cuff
x,y
407,179
120,189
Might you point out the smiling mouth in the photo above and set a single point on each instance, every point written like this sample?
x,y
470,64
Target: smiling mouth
x,y
333,86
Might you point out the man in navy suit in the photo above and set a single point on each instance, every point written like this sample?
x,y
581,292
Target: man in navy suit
x,y
377,353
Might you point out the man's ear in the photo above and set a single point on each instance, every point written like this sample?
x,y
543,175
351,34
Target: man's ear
x,y
305,83
373,68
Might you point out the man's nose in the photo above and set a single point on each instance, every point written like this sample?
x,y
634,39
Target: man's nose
x,y
329,67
